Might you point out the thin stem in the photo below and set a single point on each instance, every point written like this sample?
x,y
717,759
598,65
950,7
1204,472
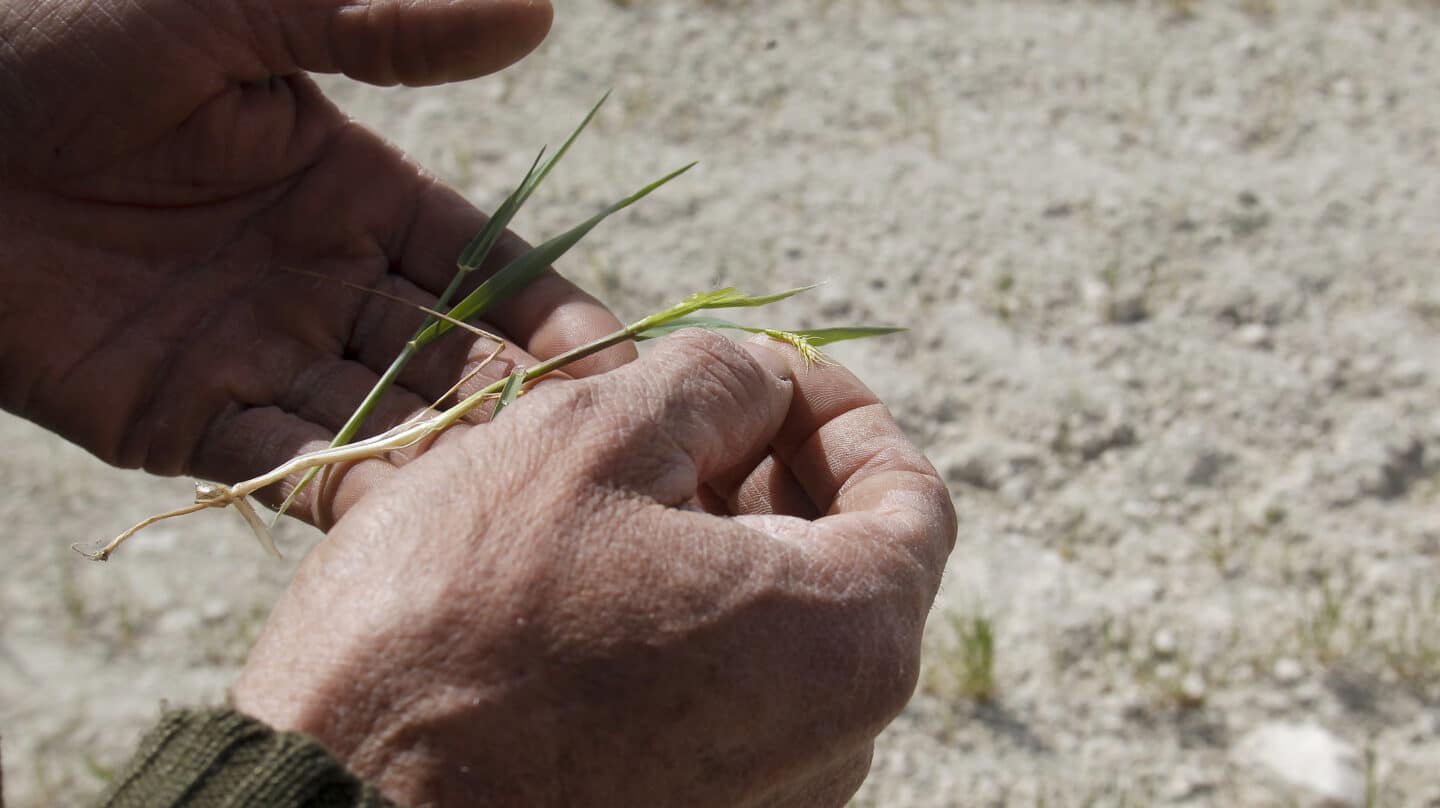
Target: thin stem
x,y
372,399
411,432
103,554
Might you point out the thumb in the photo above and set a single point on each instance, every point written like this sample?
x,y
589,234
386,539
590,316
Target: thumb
x,y
398,41
694,407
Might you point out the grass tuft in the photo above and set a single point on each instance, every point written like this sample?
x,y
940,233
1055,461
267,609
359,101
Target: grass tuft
x,y
963,665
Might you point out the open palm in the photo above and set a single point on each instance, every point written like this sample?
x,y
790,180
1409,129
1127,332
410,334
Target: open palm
x,y
164,164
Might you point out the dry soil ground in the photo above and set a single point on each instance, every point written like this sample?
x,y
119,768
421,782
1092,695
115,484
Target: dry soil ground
x,y
1173,274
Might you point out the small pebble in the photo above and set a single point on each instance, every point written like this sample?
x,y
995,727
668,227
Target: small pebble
x,y
1254,335
1287,671
1193,688
214,610
1164,643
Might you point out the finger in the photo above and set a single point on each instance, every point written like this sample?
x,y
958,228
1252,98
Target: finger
x,y
340,487
396,41
548,317
369,321
419,227
247,442
875,486
762,485
327,392
693,407
384,325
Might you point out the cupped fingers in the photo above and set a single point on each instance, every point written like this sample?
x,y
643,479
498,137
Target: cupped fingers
x,y
881,499
693,407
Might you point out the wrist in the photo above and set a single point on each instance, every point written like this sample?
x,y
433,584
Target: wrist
x,y
390,742
282,697
383,721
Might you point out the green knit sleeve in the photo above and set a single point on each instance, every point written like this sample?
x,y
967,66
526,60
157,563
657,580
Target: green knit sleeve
x,y
220,758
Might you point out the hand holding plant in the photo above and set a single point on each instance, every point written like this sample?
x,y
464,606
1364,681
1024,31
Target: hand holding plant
x,y
534,612
699,579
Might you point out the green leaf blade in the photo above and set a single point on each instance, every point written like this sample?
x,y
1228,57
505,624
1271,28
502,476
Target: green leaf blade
x,y
814,336
509,392
475,253
713,323
825,336
478,249
520,272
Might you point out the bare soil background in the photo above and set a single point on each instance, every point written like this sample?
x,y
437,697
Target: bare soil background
x,y
1172,271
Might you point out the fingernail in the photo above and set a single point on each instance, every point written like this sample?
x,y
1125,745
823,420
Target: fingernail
x,y
778,366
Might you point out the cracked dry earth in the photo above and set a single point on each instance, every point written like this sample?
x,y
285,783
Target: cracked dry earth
x,y
1172,271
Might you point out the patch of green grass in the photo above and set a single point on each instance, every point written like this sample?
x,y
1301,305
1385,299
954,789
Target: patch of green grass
x,y
1412,651
977,656
1221,543
963,665
1323,629
1232,542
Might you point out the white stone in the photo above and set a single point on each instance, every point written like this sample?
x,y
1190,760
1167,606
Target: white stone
x,y
1324,771
1287,671
1193,688
1164,643
1253,335
214,610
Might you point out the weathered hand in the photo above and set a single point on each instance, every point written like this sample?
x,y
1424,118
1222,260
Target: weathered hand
x,y
163,161
540,618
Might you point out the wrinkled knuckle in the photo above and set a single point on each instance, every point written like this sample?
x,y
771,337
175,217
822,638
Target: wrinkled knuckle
x,y
561,405
553,410
713,359
704,342
574,419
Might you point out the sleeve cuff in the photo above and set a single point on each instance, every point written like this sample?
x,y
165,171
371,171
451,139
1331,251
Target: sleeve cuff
x,y
220,757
